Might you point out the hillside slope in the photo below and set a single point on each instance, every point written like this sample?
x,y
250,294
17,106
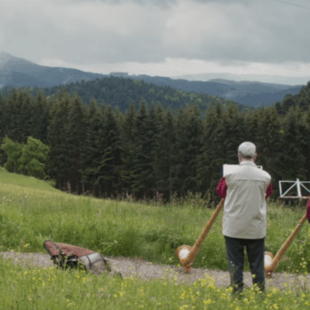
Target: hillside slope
x,y
19,72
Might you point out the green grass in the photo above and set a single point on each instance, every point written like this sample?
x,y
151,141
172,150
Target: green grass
x,y
51,288
32,211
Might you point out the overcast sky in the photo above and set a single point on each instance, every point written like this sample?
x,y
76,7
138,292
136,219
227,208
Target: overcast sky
x,y
161,37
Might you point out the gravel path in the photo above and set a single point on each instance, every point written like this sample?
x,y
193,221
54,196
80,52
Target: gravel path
x,y
147,270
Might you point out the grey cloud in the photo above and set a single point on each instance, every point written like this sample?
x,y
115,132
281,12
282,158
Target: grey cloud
x,y
261,34
227,32
303,4
140,2
78,41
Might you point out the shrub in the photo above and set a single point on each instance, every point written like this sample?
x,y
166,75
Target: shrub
x,y
13,151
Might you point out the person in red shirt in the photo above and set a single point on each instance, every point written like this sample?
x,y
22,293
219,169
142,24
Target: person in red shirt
x,y
244,220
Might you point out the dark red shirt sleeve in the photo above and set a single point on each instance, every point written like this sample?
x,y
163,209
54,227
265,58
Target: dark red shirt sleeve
x,y
222,188
269,190
308,211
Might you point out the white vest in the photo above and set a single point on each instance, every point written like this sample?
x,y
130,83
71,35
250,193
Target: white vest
x,y
245,204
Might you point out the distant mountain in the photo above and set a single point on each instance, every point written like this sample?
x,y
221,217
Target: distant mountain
x,y
19,72
257,93
119,92
263,78
247,93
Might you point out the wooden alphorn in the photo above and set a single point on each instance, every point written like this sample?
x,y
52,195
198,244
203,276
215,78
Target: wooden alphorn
x,y
274,264
187,254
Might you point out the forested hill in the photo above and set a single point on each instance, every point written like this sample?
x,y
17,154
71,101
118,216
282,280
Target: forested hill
x,y
248,93
120,92
18,72
301,99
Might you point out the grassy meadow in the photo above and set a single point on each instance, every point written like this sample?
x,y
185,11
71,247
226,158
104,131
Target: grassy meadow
x,y
32,211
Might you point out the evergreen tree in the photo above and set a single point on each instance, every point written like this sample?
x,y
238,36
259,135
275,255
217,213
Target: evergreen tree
x,y
232,133
288,102
251,125
2,109
179,171
208,171
187,150
94,149
59,165
268,140
146,129
40,117
110,161
306,145
163,150
76,136
292,159
18,115
128,149
3,157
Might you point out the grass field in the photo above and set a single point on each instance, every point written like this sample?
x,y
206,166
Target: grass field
x,y
32,211
25,288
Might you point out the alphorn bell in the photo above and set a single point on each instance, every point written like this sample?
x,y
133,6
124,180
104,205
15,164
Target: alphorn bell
x,y
271,263
187,254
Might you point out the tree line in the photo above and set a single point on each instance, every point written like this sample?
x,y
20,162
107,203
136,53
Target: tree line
x,y
120,92
149,151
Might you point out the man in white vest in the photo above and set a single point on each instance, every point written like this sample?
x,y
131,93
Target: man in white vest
x,y
244,220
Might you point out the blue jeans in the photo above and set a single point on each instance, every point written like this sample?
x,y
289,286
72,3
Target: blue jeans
x,y
235,255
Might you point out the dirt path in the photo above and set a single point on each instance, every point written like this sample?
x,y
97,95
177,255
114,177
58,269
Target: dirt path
x,y
147,270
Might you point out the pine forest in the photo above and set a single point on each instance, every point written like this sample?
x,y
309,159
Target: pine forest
x,y
148,150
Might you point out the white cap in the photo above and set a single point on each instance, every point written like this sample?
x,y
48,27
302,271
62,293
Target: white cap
x,y
247,149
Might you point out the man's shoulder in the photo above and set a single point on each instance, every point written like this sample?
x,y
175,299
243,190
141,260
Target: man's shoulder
x,y
249,170
261,172
266,174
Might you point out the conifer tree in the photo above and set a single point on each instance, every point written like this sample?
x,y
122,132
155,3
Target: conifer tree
x,y
128,149
146,129
18,115
232,133
3,157
164,148
292,159
59,165
306,144
251,125
268,139
179,171
187,150
288,102
208,168
2,119
110,160
40,117
93,149
76,135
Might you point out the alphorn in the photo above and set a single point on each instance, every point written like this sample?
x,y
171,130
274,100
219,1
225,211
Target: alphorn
x,y
272,263
187,254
